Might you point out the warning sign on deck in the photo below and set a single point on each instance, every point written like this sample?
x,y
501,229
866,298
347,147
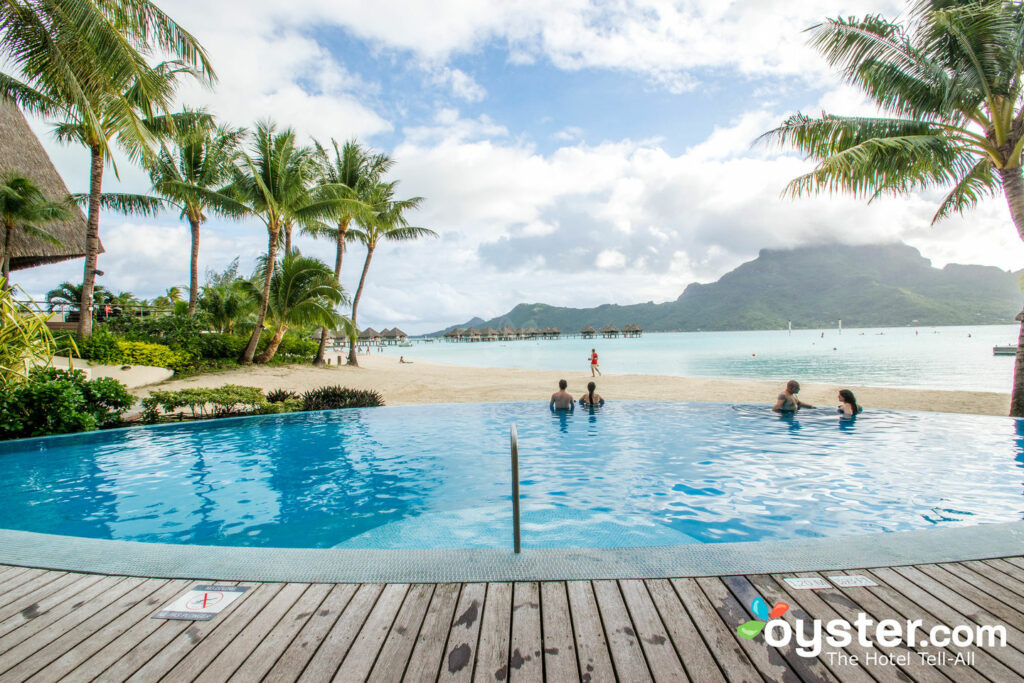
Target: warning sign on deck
x,y
201,603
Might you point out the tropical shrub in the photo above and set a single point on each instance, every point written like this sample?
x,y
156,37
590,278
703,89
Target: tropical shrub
x,y
280,395
293,404
24,339
292,346
56,401
330,398
158,355
100,347
204,402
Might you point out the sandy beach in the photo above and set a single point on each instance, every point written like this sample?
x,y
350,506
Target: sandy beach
x,y
421,382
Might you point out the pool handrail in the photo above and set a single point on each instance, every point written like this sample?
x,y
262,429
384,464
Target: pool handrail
x,y
515,489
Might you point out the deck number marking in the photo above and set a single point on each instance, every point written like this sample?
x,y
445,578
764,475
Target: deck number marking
x,y
201,603
851,580
807,583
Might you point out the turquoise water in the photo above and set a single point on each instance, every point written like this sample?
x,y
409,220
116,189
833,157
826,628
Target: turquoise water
x,y
925,358
628,474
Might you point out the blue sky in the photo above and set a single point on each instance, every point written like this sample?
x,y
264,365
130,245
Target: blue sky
x,y
573,152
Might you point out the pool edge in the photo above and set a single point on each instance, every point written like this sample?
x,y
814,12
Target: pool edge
x,y
335,565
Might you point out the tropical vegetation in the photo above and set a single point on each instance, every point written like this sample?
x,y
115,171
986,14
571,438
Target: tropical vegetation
x,y
948,83
23,208
25,340
52,401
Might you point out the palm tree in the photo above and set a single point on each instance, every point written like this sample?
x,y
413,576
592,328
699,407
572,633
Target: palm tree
x,y
303,293
23,206
168,298
949,88
227,299
68,294
188,174
387,223
86,61
273,183
349,174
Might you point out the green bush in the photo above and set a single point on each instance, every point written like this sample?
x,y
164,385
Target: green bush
x,y
330,398
61,401
204,402
100,347
217,345
292,346
280,395
158,355
292,404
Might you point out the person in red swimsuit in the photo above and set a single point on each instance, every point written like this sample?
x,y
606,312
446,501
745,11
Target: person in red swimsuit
x,y
593,363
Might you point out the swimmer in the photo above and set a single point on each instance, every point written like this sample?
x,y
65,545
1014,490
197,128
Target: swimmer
x,y
787,401
562,399
848,403
590,398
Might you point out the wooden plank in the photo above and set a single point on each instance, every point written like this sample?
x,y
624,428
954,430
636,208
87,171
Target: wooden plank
x,y
806,668
335,646
556,625
61,668
495,633
206,638
43,648
627,655
464,635
28,596
830,603
658,649
721,640
207,664
55,607
592,652
293,660
1011,566
17,576
360,658
1000,571
526,661
394,655
916,603
691,648
1015,560
428,653
767,660
979,590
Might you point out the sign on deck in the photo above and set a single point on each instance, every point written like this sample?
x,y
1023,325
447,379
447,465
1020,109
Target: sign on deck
x,y
201,603
809,583
851,580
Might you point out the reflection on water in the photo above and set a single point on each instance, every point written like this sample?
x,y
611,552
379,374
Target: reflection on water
x,y
627,473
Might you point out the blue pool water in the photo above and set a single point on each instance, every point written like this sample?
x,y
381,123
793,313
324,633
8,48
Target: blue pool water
x,y
631,473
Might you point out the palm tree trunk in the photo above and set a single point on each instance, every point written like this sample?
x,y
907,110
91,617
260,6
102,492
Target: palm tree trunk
x,y
1013,188
250,349
193,284
92,242
275,342
287,239
355,304
338,257
5,258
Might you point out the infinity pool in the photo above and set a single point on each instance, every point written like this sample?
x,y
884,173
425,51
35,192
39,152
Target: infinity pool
x,y
628,474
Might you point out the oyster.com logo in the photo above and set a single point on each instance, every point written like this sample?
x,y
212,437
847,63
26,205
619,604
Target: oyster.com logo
x,y
764,614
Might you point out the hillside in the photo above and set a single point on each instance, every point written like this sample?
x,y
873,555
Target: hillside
x,y
864,286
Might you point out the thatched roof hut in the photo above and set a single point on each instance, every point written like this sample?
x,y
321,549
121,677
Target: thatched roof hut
x,y
632,331
399,335
369,334
22,153
588,332
609,331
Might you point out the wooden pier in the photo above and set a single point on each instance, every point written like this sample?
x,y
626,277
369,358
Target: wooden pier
x,y
58,626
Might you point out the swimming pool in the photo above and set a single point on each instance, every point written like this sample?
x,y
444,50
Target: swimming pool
x,y
437,476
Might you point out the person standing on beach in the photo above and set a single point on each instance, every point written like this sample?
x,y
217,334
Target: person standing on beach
x,y
593,363
562,399
787,401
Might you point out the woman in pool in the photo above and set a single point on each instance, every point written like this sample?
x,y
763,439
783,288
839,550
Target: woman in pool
x,y
848,403
591,399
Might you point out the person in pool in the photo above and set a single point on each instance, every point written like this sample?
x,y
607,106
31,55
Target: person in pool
x,y
848,403
562,399
787,401
591,398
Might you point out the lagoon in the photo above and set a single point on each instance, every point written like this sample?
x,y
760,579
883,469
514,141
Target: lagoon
x,y
946,358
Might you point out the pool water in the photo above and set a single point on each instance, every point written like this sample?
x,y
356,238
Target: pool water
x,y
437,476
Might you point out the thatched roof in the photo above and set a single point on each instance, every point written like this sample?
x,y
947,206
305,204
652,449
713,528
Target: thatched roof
x,y
588,330
609,329
21,152
398,333
369,333
632,328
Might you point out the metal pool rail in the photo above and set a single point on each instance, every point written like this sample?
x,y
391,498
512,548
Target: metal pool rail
x,y
515,489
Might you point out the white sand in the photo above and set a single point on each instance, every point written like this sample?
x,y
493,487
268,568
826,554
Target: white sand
x,y
421,382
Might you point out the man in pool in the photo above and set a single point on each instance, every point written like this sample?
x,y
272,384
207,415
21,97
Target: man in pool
x,y
562,399
788,402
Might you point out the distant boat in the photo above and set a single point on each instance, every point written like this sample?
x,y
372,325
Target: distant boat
x,y
406,344
1004,350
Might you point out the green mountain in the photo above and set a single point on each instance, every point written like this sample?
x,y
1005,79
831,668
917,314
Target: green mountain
x,y
864,286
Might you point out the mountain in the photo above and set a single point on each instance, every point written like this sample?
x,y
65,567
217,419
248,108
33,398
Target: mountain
x,y
864,286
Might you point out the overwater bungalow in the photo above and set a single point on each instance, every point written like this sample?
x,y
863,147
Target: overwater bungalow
x,y
507,333
588,332
520,333
609,332
632,331
400,337
471,334
369,336
532,333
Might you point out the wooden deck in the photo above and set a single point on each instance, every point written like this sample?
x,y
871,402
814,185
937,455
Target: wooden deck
x,y
79,627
